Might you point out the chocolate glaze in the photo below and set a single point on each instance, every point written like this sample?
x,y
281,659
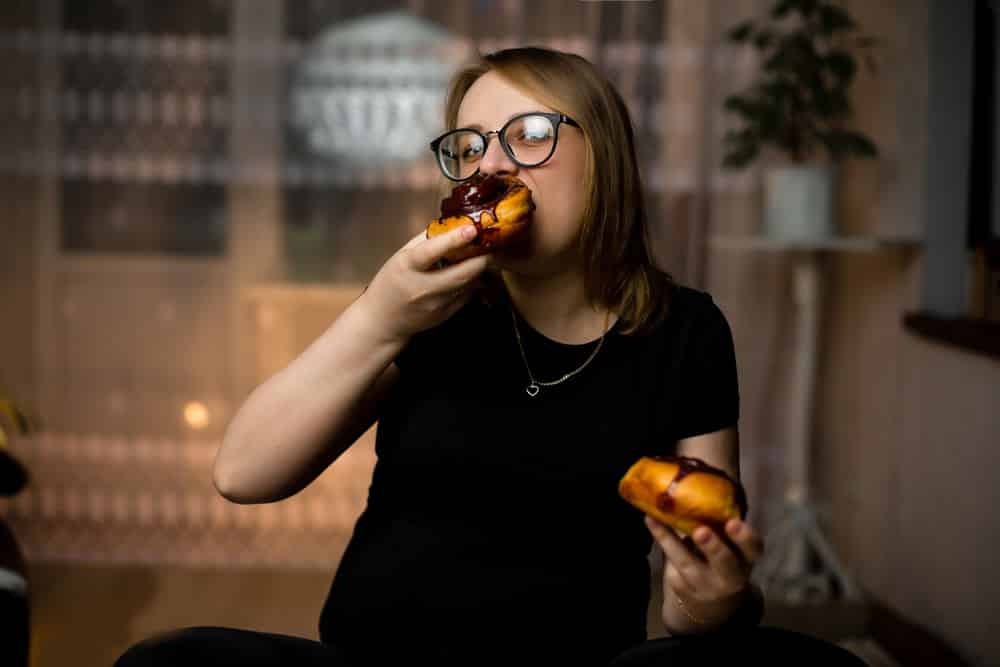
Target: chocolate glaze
x,y
478,193
686,466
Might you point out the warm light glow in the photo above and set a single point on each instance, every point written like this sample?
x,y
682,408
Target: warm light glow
x,y
196,415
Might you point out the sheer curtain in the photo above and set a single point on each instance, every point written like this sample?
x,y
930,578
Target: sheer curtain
x,y
172,243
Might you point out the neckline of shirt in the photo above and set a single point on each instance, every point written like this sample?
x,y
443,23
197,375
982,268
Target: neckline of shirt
x,y
526,329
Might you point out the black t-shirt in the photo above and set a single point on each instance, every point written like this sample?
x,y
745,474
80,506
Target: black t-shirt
x,y
494,530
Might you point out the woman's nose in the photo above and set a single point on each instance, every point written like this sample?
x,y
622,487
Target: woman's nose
x,y
496,160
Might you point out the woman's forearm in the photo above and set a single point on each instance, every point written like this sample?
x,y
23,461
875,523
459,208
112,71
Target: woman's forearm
x,y
300,420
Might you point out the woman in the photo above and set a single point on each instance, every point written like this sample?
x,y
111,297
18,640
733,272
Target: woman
x,y
493,532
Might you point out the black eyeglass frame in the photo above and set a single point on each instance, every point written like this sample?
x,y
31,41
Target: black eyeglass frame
x,y
555,118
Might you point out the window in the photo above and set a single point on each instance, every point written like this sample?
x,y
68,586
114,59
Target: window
x,y
960,301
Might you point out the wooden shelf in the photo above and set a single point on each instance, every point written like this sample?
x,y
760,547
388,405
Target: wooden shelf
x,y
834,243
973,335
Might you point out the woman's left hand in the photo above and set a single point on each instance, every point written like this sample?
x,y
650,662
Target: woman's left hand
x,y
708,569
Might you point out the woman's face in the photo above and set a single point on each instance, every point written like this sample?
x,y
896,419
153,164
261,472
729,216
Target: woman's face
x,y
557,186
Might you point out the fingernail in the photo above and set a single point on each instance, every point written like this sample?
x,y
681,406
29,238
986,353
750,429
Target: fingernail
x,y
703,536
468,232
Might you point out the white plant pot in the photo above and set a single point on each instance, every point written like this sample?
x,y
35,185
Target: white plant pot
x,y
799,202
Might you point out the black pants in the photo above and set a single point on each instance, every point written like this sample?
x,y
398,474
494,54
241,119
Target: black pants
x,y
228,647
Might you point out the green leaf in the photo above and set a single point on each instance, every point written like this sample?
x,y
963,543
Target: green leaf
x,y
738,137
840,104
841,143
777,61
737,134
741,106
807,7
741,146
741,32
795,54
833,19
781,98
790,141
782,8
830,143
771,122
861,146
778,90
803,7
741,157
841,64
830,103
763,39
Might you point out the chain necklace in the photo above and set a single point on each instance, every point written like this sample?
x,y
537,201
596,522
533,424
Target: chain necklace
x,y
534,385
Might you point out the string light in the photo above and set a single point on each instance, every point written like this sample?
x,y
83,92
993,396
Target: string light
x,y
196,415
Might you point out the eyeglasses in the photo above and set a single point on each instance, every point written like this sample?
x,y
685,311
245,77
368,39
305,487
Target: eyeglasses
x,y
528,139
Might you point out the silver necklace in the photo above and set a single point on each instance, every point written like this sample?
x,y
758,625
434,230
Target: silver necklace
x,y
534,385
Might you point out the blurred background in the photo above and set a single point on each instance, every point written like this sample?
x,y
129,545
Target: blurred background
x,y
194,190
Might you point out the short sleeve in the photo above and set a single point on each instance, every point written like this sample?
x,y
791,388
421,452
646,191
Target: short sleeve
x,y
415,352
708,393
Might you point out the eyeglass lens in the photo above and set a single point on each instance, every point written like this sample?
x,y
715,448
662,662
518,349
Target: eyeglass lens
x,y
530,141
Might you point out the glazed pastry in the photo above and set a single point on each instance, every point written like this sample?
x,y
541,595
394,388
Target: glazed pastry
x,y
499,206
683,492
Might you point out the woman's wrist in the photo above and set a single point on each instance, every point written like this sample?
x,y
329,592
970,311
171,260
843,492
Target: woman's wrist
x,y
739,611
710,614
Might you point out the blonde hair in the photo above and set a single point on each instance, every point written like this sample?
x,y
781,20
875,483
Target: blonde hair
x,y
619,272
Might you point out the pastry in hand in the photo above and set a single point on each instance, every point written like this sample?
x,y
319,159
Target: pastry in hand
x,y
683,492
499,206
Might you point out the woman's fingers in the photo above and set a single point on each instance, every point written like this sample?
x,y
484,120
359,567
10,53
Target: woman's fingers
x,y
746,539
424,255
687,563
731,567
458,276
416,240
726,567
678,582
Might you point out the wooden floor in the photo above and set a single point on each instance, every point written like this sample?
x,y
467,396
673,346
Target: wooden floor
x,y
86,616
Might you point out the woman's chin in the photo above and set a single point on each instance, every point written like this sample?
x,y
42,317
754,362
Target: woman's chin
x,y
525,263
517,253
530,255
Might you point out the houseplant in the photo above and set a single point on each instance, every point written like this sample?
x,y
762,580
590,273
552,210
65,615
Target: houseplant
x,y
799,104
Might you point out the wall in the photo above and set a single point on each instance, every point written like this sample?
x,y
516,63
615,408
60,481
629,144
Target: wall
x,y
906,430
912,468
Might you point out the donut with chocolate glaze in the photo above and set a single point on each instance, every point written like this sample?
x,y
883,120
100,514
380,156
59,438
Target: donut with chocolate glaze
x,y
499,206
683,492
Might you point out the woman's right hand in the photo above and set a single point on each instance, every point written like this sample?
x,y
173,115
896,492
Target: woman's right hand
x,y
409,294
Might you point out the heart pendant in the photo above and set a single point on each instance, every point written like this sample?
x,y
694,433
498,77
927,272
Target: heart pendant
x,y
532,390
